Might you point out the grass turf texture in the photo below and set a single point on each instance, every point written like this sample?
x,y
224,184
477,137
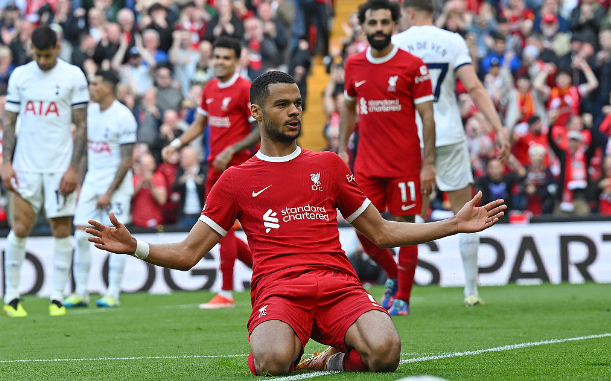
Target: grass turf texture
x,y
163,337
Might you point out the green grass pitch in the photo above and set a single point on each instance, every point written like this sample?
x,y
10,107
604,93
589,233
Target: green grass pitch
x,y
544,332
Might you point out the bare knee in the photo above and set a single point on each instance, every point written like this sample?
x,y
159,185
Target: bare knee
x,y
273,363
384,354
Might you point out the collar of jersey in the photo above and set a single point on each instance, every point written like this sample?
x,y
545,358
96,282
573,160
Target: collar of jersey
x,y
230,82
381,60
280,159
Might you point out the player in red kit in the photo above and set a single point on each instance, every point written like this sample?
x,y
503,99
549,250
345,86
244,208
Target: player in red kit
x,y
225,107
388,85
303,286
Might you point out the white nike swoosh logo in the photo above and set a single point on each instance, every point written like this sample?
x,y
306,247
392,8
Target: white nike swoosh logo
x,y
255,194
357,84
210,100
407,207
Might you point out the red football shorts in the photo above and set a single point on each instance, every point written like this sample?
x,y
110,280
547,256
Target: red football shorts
x,y
398,196
321,305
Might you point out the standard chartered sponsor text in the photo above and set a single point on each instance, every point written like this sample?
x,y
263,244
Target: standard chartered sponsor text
x,y
384,105
306,212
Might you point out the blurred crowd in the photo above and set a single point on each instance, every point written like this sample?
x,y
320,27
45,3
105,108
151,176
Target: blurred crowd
x,y
162,51
547,67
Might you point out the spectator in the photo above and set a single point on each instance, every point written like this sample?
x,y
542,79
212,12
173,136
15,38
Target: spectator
x,y
554,38
96,22
299,67
168,168
157,20
65,52
125,96
273,29
127,21
6,64
523,103
171,128
150,42
604,188
550,7
602,69
534,136
148,117
497,54
75,25
225,23
108,45
190,184
84,52
203,69
483,26
169,96
241,10
262,52
184,59
133,72
149,193
586,19
479,144
520,21
498,184
563,99
194,21
317,14
538,190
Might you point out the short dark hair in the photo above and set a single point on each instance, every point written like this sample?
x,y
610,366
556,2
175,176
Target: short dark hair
x,y
374,5
44,38
228,43
109,77
533,119
564,70
259,89
420,5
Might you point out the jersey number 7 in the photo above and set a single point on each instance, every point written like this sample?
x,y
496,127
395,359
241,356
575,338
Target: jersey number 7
x,y
443,68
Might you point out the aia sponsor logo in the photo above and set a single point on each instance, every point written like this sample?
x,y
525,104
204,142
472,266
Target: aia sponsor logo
x,y
40,108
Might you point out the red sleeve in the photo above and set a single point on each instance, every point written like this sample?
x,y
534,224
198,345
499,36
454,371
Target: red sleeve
x,y
349,198
220,210
349,88
202,104
422,89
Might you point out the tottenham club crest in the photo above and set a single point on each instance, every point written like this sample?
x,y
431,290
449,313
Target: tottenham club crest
x,y
392,83
316,179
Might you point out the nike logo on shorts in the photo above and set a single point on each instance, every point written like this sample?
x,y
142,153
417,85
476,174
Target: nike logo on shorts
x,y
255,194
407,207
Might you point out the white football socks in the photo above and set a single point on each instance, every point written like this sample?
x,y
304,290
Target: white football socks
x,y
62,260
116,267
14,255
469,246
82,263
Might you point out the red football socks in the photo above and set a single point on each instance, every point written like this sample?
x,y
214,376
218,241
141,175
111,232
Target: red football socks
x,y
353,362
383,257
408,259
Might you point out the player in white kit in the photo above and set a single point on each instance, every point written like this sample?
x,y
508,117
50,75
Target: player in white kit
x,y
447,57
108,185
41,165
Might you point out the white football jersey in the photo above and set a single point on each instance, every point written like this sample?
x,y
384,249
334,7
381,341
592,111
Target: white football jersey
x,y
106,131
44,101
443,52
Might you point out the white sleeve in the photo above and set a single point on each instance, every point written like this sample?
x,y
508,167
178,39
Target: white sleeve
x,y
80,92
128,128
13,97
461,52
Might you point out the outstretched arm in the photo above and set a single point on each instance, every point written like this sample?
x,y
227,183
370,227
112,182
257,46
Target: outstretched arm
x,y
197,128
469,219
180,255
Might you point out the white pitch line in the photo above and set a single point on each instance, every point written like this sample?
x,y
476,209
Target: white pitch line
x,y
124,358
456,354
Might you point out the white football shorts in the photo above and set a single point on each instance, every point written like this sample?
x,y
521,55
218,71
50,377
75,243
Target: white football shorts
x,y
36,188
453,167
120,205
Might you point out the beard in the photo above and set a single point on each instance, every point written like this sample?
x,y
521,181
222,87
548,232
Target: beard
x,y
379,44
278,136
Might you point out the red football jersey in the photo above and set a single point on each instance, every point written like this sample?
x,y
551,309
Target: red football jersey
x,y
287,207
386,90
227,106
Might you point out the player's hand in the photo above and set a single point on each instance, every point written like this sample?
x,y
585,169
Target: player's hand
x,y
166,152
221,161
9,176
504,147
427,179
103,202
344,155
115,239
471,218
68,182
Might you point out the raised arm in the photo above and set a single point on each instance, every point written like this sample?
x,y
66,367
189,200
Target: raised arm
x,y
180,255
469,219
9,140
347,121
468,77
